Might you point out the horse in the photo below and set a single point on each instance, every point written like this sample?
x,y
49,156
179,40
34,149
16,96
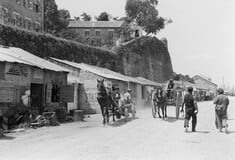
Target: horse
x,y
159,99
105,101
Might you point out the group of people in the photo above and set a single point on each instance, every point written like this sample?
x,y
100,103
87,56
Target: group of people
x,y
126,98
190,108
221,103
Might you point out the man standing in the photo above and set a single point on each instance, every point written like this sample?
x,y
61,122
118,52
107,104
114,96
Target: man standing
x,y
191,110
221,105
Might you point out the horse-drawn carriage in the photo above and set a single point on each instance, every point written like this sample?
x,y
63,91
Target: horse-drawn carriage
x,y
111,106
174,97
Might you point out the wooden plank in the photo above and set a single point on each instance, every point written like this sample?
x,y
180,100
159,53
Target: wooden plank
x,y
6,94
48,93
67,93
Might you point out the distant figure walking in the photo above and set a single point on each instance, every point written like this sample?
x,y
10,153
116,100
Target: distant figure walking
x,y
191,110
221,105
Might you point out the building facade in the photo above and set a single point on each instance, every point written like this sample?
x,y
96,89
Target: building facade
x,y
23,82
105,30
23,14
205,81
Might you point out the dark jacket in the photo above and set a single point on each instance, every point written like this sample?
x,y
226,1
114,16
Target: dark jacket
x,y
189,102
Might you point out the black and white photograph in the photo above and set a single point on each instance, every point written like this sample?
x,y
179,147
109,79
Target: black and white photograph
x,y
117,80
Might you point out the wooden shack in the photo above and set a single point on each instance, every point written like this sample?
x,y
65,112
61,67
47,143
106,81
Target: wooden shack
x,y
28,80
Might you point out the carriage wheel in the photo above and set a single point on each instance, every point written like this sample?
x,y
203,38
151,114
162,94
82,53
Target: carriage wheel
x,y
154,111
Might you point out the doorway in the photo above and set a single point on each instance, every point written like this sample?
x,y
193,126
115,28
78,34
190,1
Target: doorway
x,y
36,97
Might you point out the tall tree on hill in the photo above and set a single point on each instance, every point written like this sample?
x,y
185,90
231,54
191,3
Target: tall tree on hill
x,y
64,17
55,20
104,16
85,17
50,16
146,15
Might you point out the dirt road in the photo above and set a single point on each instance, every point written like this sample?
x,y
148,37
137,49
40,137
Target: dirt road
x,y
144,138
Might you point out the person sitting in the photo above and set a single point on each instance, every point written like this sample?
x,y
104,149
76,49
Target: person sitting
x,y
169,88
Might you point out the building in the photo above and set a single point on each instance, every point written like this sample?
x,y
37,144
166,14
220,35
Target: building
x,y
88,75
105,30
23,14
30,81
206,82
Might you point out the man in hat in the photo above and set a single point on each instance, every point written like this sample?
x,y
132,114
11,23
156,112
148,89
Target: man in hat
x,y
221,105
169,88
191,110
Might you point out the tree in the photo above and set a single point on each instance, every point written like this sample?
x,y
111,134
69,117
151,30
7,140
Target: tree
x,y
104,16
85,16
55,20
63,19
146,15
51,16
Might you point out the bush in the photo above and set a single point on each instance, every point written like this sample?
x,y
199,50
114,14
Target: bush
x,y
45,45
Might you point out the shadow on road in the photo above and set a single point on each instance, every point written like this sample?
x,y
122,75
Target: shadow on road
x,y
230,132
172,119
5,137
122,122
191,141
205,132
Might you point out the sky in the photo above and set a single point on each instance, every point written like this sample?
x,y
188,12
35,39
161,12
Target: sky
x,y
200,39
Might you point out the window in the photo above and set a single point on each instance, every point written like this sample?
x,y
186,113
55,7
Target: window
x,y
137,33
24,3
18,2
36,6
97,33
30,4
87,33
1,14
4,15
55,93
16,19
111,34
28,23
37,26
20,21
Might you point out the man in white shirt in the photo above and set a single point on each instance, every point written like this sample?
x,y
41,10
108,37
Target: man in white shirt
x,y
127,97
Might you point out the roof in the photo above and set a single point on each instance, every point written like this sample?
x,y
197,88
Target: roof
x,y
186,84
95,24
148,82
205,78
18,55
103,72
94,69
